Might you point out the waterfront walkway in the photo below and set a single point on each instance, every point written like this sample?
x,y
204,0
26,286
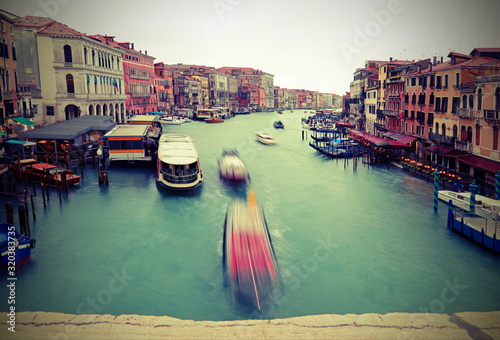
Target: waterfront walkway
x,y
466,325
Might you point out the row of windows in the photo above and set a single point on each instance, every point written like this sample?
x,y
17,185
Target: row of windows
x,y
101,59
104,85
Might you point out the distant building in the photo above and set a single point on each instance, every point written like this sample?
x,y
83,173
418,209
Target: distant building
x,y
11,104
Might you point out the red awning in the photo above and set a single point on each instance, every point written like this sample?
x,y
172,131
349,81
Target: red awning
x,y
376,141
405,139
481,163
439,149
344,124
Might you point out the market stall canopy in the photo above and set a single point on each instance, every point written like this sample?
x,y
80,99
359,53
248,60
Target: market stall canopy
x,y
70,129
25,121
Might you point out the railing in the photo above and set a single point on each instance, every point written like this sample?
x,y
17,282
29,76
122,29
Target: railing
x,y
465,113
491,114
138,76
442,138
463,146
139,95
391,113
180,179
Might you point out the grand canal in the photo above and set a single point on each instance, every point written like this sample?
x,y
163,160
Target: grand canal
x,y
347,239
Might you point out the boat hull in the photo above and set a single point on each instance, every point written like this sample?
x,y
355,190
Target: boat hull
x,y
248,256
15,249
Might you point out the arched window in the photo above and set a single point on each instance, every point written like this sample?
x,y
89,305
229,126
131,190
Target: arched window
x,y
70,84
413,99
464,101
463,134
469,134
455,131
471,101
431,99
85,52
443,129
68,57
480,99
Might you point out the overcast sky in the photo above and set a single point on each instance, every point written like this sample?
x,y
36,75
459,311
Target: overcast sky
x,y
306,44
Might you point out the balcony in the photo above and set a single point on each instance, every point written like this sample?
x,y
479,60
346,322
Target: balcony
x,y
391,113
139,76
491,115
441,138
465,113
140,95
463,146
465,88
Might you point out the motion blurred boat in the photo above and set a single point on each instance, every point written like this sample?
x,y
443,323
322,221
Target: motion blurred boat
x,y
15,248
231,167
248,256
265,138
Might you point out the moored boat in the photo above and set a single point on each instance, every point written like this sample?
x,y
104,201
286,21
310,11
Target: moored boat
x,y
264,138
178,165
231,167
15,249
172,120
214,120
249,262
47,173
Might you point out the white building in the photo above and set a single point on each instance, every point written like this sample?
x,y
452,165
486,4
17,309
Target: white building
x,y
66,74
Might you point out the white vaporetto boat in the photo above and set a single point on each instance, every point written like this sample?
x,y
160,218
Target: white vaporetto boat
x,y
264,138
178,165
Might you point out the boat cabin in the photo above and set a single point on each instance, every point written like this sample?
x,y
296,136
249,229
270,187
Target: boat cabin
x,y
215,112
178,165
130,142
152,121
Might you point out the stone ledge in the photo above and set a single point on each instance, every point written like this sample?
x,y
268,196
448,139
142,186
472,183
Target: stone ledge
x,y
45,325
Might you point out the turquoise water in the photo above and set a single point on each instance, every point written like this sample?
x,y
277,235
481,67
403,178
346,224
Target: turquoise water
x,y
347,240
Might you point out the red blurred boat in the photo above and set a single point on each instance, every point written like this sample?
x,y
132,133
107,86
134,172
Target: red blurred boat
x,y
248,256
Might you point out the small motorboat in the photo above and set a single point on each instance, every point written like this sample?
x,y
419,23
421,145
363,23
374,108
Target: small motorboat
x,y
231,167
214,120
172,120
264,138
279,125
15,248
248,258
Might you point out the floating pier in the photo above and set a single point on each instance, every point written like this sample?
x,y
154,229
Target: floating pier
x,y
480,230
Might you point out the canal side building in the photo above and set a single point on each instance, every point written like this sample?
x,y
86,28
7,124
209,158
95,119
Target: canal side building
x,y
448,111
9,105
69,74
138,73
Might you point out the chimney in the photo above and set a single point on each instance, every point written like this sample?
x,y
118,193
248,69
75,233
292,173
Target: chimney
x,y
430,67
145,51
434,60
132,45
441,58
390,58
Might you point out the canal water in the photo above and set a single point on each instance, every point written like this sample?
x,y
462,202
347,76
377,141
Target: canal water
x,y
348,238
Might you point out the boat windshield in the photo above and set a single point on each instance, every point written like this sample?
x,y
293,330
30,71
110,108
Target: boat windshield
x,y
180,173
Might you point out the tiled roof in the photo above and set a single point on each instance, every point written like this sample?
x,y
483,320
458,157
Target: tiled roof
x,y
58,28
32,21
